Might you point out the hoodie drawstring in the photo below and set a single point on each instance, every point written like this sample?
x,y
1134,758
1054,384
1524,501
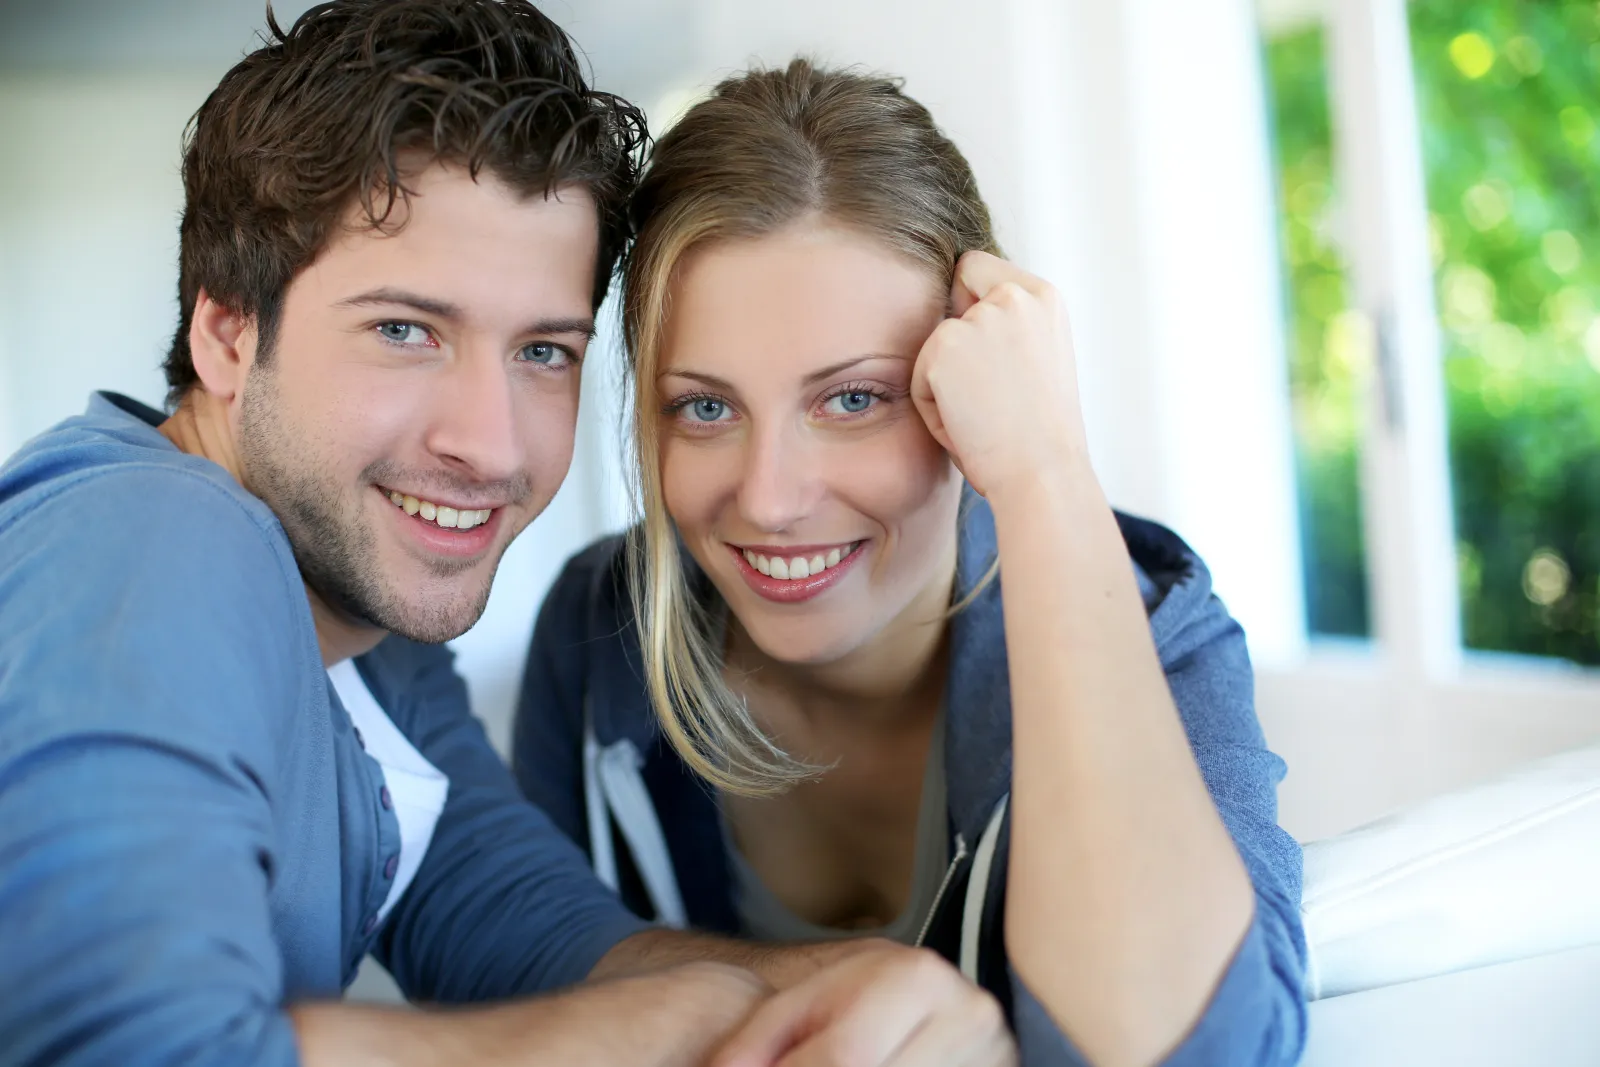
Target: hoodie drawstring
x,y
978,890
612,785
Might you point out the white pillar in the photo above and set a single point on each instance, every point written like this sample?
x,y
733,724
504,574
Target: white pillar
x,y
1405,470
1210,296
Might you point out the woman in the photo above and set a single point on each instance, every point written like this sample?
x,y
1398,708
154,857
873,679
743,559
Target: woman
x,y
850,415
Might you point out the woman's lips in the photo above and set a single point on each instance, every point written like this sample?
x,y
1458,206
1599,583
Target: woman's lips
x,y
780,585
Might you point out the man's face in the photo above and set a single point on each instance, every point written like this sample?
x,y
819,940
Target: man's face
x,y
418,406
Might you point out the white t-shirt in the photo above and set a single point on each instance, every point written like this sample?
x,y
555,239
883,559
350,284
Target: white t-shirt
x,y
417,788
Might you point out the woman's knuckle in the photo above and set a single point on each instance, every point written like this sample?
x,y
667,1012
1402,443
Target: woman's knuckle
x,y
1009,294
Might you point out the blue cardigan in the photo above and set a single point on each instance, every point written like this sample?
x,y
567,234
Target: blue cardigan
x,y
588,750
191,834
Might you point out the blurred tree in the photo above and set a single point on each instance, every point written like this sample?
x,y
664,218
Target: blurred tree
x,y
1509,95
1324,363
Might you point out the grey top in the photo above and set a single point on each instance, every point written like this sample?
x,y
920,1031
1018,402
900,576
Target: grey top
x,y
766,918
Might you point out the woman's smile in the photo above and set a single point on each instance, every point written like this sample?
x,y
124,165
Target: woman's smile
x,y
797,573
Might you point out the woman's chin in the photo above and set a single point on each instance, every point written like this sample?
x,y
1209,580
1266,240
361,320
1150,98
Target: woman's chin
x,y
809,644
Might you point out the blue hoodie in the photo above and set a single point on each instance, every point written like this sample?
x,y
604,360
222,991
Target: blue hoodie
x,y
587,748
192,834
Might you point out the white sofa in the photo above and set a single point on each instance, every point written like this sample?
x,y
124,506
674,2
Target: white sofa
x,y
1464,930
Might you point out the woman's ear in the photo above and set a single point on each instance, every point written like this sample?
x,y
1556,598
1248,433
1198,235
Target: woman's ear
x,y
222,344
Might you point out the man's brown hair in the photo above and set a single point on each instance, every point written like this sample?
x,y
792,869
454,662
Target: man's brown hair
x,y
336,111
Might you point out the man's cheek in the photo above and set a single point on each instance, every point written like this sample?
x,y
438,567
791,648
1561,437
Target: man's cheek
x,y
550,454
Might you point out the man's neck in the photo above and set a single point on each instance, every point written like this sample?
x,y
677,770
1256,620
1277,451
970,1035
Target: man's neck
x,y
200,427
339,636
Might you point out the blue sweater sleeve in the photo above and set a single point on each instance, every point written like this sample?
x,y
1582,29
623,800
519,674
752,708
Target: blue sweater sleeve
x,y
504,903
1257,1014
146,647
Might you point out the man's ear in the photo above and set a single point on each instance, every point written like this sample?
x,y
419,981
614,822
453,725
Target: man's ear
x,y
222,344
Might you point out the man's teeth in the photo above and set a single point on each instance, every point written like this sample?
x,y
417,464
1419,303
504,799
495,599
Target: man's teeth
x,y
438,514
797,566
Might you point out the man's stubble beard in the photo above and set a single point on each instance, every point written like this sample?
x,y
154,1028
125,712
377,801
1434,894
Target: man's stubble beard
x,y
335,547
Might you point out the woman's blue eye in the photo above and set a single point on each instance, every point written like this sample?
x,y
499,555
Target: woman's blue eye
x,y
853,402
403,333
545,353
707,410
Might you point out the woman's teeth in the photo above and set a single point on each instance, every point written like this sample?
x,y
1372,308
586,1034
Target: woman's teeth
x,y
438,514
798,566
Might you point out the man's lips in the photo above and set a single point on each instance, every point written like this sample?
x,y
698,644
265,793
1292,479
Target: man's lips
x,y
446,514
438,529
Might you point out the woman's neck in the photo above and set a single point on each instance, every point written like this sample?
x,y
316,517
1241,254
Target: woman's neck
x,y
893,683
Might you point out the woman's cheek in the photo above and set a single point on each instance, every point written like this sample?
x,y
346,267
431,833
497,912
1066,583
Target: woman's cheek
x,y
896,476
692,482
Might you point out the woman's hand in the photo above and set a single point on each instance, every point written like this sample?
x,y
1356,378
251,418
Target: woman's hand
x,y
997,384
885,1006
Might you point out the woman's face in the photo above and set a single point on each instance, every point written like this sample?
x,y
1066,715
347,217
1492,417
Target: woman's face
x,y
793,460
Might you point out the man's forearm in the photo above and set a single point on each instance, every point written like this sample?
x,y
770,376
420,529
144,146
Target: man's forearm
x,y
671,1018
779,964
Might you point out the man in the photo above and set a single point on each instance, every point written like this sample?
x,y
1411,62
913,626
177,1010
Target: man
x,y
234,758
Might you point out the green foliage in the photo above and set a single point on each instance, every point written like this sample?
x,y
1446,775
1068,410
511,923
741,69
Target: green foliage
x,y
1324,374
1509,95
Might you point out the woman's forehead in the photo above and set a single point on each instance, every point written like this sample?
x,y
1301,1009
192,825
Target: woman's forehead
x,y
802,296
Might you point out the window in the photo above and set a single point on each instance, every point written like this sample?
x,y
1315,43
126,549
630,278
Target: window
x,y
1509,98
1323,337
1490,370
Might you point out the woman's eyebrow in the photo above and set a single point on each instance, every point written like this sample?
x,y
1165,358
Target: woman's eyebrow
x,y
846,364
693,375
816,376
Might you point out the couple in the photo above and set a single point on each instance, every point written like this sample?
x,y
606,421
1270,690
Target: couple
x,y
786,730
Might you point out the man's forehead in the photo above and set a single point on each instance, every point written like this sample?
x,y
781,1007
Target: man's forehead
x,y
462,243
444,197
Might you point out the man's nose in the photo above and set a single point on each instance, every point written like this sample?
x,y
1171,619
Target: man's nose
x,y
473,418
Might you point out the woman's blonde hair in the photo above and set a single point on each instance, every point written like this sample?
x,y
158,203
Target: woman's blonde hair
x,y
767,149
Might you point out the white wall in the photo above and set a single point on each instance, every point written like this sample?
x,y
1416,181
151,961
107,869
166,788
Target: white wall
x,y
89,232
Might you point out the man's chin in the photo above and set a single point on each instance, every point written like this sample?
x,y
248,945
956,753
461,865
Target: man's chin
x,y
433,617
435,623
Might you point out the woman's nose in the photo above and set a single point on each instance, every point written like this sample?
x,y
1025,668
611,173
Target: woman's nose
x,y
778,487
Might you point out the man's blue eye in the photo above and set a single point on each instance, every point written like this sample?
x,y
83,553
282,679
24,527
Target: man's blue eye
x,y
545,353
403,333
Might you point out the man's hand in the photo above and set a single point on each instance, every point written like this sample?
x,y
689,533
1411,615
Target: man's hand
x,y
673,1017
779,964
885,1007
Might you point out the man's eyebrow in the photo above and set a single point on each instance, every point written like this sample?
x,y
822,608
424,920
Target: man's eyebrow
x,y
428,305
810,379
582,326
